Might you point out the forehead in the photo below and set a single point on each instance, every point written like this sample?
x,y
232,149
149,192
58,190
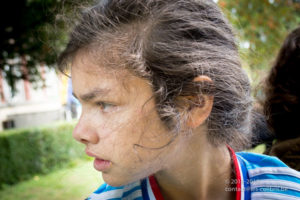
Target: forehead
x,y
95,60
89,73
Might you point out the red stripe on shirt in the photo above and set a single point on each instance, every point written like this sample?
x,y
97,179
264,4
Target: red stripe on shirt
x,y
155,188
237,173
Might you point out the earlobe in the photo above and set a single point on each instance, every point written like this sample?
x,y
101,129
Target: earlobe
x,y
198,113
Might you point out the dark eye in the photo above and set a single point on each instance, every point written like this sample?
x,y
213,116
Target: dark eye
x,y
105,107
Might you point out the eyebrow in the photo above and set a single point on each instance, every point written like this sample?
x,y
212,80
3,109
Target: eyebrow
x,y
92,94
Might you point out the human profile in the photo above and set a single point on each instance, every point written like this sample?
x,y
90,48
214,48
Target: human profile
x,y
165,104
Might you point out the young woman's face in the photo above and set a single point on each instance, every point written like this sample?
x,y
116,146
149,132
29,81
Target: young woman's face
x,y
119,124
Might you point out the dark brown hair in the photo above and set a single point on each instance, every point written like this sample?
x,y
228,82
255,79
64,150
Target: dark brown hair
x,y
282,104
169,43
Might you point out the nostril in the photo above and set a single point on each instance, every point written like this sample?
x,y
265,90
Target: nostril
x,y
85,134
84,141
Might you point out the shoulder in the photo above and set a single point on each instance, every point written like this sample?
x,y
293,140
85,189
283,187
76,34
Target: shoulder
x,y
267,177
105,192
254,160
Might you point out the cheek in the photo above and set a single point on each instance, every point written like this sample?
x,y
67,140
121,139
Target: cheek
x,y
118,134
146,138
134,135
135,146
110,125
155,133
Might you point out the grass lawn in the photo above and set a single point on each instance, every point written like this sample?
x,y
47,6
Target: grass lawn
x,y
74,183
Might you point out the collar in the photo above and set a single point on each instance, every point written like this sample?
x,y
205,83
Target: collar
x,y
151,191
242,177
237,178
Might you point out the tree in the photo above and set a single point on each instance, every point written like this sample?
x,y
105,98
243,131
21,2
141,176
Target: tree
x,y
262,25
31,33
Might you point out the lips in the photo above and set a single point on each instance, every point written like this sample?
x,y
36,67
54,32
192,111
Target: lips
x,y
99,163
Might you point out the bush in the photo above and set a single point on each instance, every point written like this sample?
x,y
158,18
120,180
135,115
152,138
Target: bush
x,y
26,152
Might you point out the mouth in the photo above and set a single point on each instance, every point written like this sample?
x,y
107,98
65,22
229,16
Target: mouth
x,y
99,163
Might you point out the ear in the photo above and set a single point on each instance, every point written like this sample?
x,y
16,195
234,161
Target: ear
x,y
199,112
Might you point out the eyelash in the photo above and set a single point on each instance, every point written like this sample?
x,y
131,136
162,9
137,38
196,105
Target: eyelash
x,y
104,106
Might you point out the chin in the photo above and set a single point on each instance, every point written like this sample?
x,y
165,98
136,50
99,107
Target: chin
x,y
116,181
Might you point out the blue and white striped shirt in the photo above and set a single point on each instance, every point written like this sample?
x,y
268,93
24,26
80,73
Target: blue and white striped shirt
x,y
261,178
266,177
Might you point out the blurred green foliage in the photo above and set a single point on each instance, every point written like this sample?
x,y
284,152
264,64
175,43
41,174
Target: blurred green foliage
x,y
32,32
262,26
26,152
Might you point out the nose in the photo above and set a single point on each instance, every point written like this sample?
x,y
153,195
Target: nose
x,y
84,131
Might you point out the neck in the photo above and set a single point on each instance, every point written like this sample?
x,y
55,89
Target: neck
x,y
197,170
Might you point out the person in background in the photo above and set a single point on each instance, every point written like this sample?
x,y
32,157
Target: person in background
x,y
282,103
